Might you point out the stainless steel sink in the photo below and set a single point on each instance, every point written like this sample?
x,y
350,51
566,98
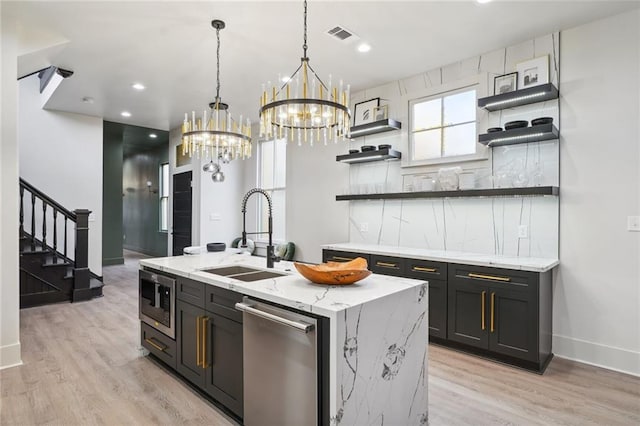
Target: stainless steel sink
x,y
243,273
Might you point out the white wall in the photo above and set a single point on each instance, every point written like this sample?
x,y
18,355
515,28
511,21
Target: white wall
x,y
9,279
597,301
61,154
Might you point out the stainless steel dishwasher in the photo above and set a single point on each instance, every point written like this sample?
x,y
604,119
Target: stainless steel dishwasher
x,y
280,366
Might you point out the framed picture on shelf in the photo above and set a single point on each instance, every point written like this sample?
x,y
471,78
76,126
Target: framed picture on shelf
x,y
380,112
505,83
363,112
533,72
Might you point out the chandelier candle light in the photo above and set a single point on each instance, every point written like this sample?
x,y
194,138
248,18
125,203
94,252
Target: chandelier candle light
x,y
216,135
304,109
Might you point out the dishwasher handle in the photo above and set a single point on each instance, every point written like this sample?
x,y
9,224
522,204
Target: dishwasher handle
x,y
249,309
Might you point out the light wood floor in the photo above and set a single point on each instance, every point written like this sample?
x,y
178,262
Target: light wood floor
x,y
82,366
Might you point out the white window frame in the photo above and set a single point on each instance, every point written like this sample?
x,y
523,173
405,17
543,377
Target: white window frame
x,y
264,238
477,82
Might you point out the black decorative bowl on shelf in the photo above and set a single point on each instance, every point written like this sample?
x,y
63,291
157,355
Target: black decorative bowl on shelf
x,y
354,151
541,120
384,146
494,129
216,246
365,148
515,124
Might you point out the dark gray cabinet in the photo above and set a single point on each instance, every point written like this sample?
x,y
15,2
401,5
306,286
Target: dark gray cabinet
x,y
158,344
342,256
498,313
209,341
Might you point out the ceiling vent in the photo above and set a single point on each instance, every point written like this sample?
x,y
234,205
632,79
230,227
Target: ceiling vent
x,y
342,34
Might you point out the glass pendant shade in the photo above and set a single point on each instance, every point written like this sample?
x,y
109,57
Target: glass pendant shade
x,y
305,109
216,133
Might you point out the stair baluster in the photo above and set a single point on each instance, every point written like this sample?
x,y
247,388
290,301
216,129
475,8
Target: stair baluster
x,y
65,238
21,229
44,225
33,221
55,235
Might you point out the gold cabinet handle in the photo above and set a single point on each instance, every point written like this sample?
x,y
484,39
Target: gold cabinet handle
x,y
198,334
387,264
155,345
422,269
493,301
484,293
489,277
346,259
205,320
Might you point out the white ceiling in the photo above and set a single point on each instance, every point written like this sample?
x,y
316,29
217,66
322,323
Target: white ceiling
x,y
170,46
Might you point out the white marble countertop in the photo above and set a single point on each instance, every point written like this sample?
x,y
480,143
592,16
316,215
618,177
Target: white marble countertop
x,y
292,290
533,264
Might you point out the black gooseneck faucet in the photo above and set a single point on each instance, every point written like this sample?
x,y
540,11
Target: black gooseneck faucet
x,y
271,257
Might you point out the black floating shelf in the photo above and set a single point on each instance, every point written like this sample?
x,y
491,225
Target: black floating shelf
x,y
492,192
542,132
374,127
368,156
530,95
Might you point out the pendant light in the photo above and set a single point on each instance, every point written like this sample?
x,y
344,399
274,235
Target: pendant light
x,y
216,134
305,109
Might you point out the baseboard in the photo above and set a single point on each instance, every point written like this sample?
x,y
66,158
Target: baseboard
x,y
609,357
10,356
113,261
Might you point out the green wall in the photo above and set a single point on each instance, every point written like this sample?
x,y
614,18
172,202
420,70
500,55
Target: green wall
x,y
112,194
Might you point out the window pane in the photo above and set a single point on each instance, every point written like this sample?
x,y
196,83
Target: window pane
x,y
460,140
427,144
266,164
164,221
278,198
164,171
427,114
281,164
460,108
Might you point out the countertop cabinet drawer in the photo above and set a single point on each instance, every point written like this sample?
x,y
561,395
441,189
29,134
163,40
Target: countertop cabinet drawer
x,y
497,277
342,256
191,292
387,265
223,302
425,269
158,344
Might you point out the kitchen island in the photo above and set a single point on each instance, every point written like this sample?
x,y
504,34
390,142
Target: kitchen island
x,y
377,340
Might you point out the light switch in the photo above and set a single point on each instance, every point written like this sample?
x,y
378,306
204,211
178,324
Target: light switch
x,y
523,231
364,227
215,217
633,223
92,217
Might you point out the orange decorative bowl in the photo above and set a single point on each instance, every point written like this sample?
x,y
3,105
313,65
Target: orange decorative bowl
x,y
335,273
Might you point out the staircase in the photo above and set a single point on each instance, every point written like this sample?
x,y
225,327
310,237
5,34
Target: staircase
x,y
49,273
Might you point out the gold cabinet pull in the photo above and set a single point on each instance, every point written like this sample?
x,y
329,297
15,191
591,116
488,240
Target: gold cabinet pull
x,y
155,345
387,264
205,320
422,269
346,259
484,293
489,277
493,301
198,362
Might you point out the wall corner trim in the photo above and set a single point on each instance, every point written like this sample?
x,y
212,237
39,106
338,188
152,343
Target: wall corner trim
x,y
10,356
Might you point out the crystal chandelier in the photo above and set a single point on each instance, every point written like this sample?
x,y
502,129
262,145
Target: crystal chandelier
x,y
304,109
216,134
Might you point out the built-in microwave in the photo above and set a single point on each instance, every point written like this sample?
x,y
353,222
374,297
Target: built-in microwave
x,y
157,302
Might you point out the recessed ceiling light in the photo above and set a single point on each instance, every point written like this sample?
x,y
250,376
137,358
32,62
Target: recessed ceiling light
x,y
125,114
483,1
153,135
138,86
285,79
364,47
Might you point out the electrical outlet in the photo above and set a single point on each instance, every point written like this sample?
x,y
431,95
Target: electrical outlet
x,y
523,231
633,223
364,227
215,217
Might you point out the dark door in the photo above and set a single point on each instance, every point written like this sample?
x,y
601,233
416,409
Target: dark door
x,y
182,195
224,362
513,320
468,320
190,322
438,308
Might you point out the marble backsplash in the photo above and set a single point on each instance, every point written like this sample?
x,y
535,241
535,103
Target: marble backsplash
x,y
480,225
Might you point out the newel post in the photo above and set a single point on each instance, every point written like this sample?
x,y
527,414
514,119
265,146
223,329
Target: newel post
x,y
81,274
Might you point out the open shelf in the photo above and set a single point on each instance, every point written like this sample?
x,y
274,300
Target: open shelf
x,y
542,132
374,127
530,95
367,156
491,192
